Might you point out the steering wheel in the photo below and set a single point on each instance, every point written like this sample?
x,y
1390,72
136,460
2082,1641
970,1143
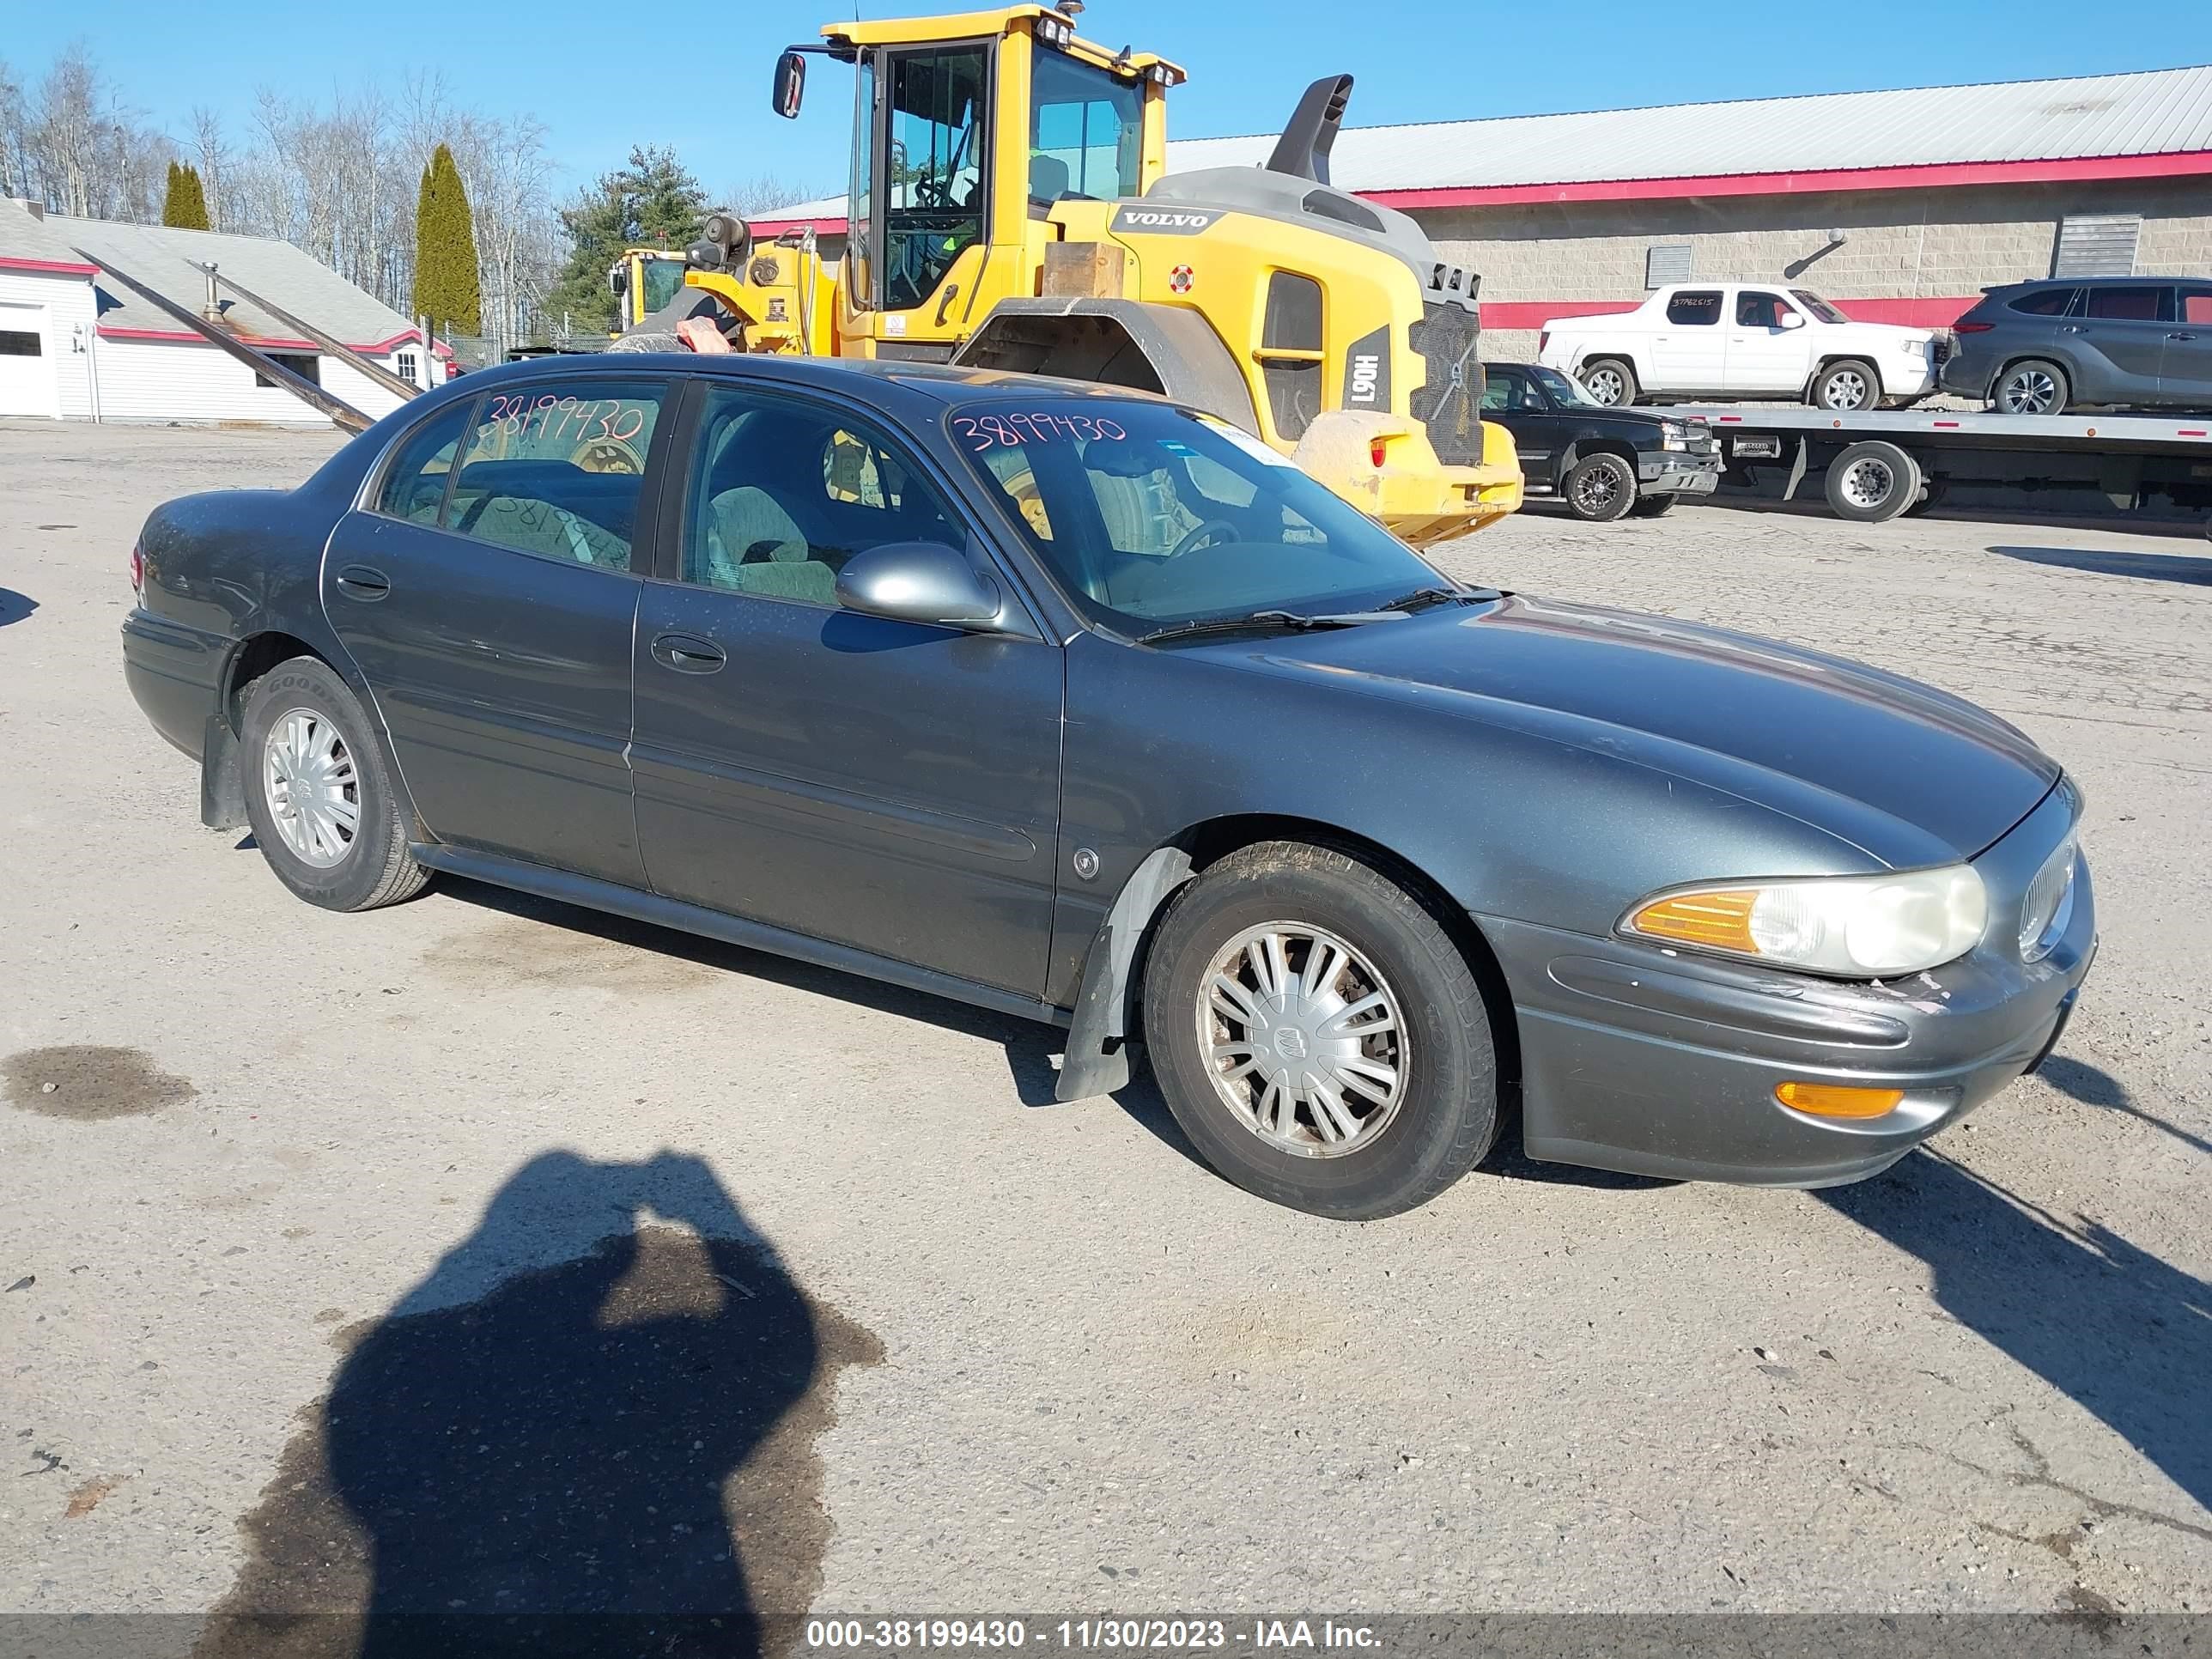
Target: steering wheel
x,y
1211,531
931,191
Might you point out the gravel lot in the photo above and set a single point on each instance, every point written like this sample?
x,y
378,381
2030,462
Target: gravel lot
x,y
303,1249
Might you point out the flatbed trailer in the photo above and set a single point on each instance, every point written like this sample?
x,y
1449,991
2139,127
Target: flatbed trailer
x,y
1875,465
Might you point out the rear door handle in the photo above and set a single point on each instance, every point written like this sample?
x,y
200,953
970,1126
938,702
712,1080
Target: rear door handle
x,y
2181,336
359,581
688,653
2069,328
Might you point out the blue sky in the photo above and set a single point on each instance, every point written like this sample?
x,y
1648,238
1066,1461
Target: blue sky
x,y
603,74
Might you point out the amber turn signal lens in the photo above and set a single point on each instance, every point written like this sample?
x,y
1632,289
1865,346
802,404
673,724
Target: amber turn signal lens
x,y
1721,922
1834,1100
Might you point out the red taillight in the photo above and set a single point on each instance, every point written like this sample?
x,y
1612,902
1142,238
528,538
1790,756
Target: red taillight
x,y
137,570
1543,339
1374,452
1972,328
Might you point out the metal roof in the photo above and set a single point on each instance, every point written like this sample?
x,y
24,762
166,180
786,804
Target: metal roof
x,y
168,261
2152,112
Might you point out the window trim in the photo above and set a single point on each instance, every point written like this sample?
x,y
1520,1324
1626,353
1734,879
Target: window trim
x,y
879,187
1024,619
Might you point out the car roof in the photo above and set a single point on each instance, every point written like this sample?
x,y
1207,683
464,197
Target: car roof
x,y
2088,282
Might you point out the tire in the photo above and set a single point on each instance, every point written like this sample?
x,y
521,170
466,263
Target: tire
x,y
305,699
1931,497
1654,506
1845,387
2032,386
1873,482
1611,380
1598,489
1440,1113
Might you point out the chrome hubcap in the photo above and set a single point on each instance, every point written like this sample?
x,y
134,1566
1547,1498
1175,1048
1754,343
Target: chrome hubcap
x,y
2030,393
1846,391
1304,1039
308,780
1604,385
1868,482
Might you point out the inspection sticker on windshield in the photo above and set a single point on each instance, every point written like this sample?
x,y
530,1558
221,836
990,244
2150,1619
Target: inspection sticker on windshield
x,y
1250,445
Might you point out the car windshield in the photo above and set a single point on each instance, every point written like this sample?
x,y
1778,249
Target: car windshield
x,y
1152,516
1819,307
1564,388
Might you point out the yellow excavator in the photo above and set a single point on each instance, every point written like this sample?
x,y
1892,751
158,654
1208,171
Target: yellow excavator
x,y
1011,207
643,281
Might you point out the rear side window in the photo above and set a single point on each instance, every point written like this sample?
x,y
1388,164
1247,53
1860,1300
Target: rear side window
x,y
1694,307
2045,302
2140,305
415,488
555,470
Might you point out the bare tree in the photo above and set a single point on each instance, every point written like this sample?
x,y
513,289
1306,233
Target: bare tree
x,y
763,192
15,136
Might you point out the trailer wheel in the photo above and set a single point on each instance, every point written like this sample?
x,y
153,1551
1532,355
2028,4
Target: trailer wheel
x,y
1610,380
1931,497
1846,386
1873,482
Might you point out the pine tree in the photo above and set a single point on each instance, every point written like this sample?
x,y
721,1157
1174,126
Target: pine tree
x,y
448,288
654,202
195,215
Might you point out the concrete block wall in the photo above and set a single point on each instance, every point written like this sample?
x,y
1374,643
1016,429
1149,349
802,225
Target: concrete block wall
x,y
1900,244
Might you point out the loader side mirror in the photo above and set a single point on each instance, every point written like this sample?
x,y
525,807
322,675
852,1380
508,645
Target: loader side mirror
x,y
790,85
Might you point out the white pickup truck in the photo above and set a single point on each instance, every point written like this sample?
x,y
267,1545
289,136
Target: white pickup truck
x,y
1731,340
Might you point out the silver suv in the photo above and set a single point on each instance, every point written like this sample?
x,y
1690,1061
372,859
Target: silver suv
x,y
2041,348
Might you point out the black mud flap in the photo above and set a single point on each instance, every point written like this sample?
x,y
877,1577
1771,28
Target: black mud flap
x,y
222,785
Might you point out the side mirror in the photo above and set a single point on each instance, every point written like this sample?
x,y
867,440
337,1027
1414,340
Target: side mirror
x,y
1792,320
916,581
790,85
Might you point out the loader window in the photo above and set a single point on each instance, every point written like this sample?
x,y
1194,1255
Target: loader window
x,y
1085,130
933,181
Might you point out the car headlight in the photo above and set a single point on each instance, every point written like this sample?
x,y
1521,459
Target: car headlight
x,y
1672,434
2049,905
1851,926
1913,348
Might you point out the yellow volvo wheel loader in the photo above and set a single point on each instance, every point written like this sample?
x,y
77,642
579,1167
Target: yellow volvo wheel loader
x,y
1010,207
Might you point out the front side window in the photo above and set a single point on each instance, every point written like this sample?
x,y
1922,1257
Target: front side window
x,y
1085,126
1755,309
1695,308
2197,305
1565,388
933,207
556,468
1149,515
2137,305
782,493
664,280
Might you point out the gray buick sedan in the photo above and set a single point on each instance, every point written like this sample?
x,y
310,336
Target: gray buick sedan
x,y
1071,702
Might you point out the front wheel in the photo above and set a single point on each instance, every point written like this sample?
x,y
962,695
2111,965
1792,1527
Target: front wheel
x,y
1318,1035
1846,388
321,803
1599,488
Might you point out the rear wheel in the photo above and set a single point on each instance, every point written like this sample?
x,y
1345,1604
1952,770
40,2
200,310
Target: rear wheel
x,y
1653,507
1317,1034
321,803
1845,387
1872,482
2034,387
1610,380
1599,488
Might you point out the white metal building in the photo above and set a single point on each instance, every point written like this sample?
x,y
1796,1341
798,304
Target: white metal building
x,y
76,345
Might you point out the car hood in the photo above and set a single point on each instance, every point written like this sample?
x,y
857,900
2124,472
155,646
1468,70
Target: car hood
x,y
1890,331
1908,774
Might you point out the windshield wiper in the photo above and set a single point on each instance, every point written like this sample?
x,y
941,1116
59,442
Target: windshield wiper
x,y
1292,619
1421,598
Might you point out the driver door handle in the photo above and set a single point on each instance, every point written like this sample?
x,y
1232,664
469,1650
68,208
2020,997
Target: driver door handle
x,y
688,653
951,291
2181,336
359,581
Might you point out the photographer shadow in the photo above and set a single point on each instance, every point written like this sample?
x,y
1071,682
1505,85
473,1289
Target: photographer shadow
x,y
583,1433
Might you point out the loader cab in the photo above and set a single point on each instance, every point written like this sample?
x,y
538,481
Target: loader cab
x,y
967,130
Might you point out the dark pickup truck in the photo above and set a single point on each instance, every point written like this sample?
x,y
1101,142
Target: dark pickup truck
x,y
1603,463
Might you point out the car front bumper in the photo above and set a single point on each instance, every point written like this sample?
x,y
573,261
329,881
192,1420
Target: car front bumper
x,y
1685,472
1666,1063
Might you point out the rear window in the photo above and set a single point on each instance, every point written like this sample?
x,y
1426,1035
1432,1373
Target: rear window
x,y
1695,307
2045,302
2139,304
